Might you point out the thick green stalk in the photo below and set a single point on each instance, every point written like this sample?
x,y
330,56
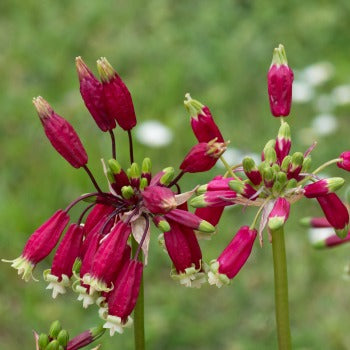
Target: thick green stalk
x,y
139,321
281,290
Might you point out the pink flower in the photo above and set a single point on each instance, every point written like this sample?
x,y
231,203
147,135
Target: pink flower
x,y
61,134
279,214
159,200
117,96
202,121
92,93
232,259
279,84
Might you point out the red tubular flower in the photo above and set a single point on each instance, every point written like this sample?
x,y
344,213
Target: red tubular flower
x,y
212,215
219,183
214,199
345,161
323,187
335,212
279,214
122,299
232,259
107,259
202,157
185,253
61,134
159,200
190,220
61,270
202,121
92,93
117,96
283,142
279,84
40,244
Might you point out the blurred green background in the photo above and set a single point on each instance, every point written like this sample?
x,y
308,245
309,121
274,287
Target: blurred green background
x,y
219,51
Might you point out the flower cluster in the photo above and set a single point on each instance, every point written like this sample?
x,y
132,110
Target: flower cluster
x,y
281,179
102,257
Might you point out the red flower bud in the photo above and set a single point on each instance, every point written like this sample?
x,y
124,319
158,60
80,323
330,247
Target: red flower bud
x,y
61,134
40,244
92,93
335,212
63,261
159,200
190,220
232,259
122,299
117,96
279,84
315,222
214,199
202,157
283,142
85,338
345,161
202,121
323,187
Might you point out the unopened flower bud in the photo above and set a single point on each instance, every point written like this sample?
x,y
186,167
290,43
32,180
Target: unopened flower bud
x,y
232,259
127,192
134,175
54,345
190,220
202,122
270,155
306,164
285,163
146,169
323,187
269,177
159,200
43,341
63,337
203,156
143,183
161,223
283,142
270,144
120,178
243,188
279,83
117,96
295,165
281,178
331,241
213,199
165,180
344,163
251,171
55,328
92,93
279,214
61,134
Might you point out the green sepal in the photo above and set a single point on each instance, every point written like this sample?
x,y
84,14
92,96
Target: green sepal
x,y
249,165
270,155
206,227
342,233
292,183
63,337
194,107
306,164
306,221
237,186
143,183
114,166
54,345
146,166
168,176
134,171
285,163
127,192
43,341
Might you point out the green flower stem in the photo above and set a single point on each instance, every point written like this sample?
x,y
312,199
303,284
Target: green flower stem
x,y
139,321
320,168
228,168
281,290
